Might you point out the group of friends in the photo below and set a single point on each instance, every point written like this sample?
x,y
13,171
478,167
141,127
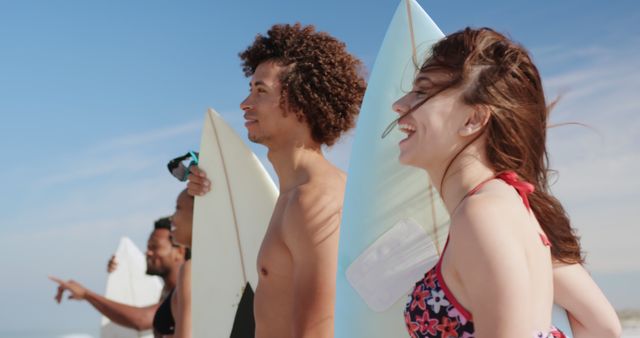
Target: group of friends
x,y
168,257
475,120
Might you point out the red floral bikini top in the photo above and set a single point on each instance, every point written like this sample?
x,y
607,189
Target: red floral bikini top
x,y
433,311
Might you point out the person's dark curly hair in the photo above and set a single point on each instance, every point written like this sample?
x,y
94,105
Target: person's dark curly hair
x,y
322,83
162,223
165,223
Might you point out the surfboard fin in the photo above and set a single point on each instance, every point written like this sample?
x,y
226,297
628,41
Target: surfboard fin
x,y
244,324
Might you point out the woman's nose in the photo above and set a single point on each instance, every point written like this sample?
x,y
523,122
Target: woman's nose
x,y
400,106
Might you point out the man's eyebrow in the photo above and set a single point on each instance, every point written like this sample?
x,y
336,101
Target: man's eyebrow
x,y
258,83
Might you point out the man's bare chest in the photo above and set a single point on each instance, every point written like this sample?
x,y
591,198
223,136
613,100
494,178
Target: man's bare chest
x,y
274,257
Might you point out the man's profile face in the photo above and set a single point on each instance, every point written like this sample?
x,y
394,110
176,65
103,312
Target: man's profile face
x,y
264,117
159,253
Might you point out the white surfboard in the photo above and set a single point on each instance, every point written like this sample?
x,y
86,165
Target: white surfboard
x,y
229,224
129,284
394,225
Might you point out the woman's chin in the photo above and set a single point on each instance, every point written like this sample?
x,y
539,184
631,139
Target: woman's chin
x,y
405,159
411,160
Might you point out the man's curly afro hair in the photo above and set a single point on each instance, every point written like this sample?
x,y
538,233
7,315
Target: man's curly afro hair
x,y
322,83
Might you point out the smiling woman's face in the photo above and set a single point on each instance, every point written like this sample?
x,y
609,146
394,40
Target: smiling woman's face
x,y
432,127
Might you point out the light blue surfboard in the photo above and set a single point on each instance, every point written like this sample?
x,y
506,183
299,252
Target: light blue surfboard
x,y
394,224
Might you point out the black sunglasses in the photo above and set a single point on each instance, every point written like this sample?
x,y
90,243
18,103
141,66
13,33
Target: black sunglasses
x,y
179,169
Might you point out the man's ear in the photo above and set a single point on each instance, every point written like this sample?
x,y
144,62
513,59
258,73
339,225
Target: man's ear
x,y
475,121
181,252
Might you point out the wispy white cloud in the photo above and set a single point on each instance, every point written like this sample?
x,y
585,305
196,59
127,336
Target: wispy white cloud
x,y
111,200
597,168
560,54
120,155
94,168
149,137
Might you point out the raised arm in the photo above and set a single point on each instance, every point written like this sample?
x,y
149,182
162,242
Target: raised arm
x,y
138,318
312,230
590,313
183,302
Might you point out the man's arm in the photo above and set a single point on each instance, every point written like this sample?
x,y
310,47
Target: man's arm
x,y
590,313
312,229
138,318
183,304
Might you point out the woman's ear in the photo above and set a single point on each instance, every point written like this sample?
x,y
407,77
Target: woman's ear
x,y
475,121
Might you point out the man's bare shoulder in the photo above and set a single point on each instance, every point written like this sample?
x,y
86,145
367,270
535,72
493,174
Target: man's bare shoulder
x,y
324,179
320,191
314,208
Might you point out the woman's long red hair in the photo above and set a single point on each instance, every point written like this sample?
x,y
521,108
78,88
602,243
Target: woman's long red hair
x,y
497,73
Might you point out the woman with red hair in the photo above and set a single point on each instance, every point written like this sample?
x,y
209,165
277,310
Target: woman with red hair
x,y
476,121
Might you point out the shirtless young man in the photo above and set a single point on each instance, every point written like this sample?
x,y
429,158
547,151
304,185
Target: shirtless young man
x,y
163,259
305,91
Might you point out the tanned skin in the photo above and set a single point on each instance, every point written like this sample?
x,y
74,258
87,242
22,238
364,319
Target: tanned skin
x,y
297,261
163,259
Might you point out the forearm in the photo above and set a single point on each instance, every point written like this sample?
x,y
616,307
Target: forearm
x,y
590,312
600,330
183,325
182,297
138,318
183,318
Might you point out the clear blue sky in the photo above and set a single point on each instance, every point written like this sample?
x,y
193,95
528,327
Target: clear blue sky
x,y
95,97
